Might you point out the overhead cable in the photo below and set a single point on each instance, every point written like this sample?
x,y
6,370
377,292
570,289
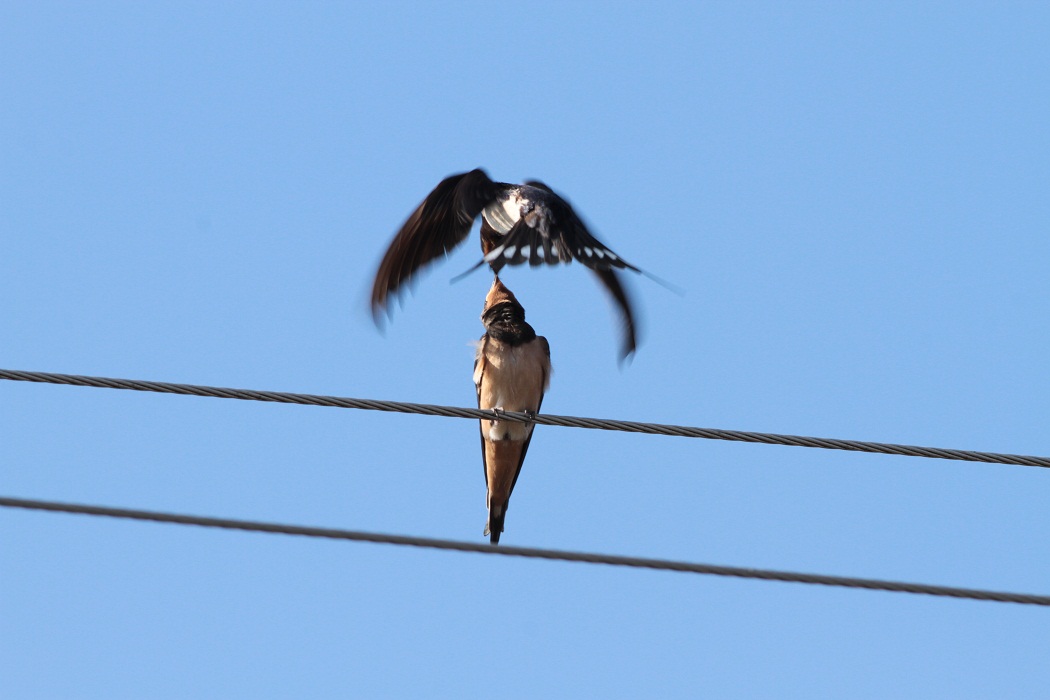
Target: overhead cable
x,y
541,418
528,552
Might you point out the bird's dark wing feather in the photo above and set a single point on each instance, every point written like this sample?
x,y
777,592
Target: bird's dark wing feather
x,y
481,426
611,281
438,225
527,244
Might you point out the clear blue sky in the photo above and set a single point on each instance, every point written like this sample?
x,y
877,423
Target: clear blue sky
x,y
854,198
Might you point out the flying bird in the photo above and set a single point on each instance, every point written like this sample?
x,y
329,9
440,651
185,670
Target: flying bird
x,y
512,370
520,224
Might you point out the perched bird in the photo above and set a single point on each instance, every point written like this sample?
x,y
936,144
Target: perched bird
x,y
512,370
519,224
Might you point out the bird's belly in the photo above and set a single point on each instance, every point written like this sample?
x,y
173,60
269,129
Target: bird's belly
x,y
515,380
513,383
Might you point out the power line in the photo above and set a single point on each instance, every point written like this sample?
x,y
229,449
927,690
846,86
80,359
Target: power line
x,y
528,552
541,419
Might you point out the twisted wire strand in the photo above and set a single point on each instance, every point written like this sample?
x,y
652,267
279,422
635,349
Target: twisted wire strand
x,y
541,419
528,552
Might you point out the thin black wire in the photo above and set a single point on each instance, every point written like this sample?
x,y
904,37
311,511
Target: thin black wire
x,y
528,552
541,419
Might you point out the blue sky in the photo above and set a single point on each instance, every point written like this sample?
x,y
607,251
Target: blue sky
x,y
852,196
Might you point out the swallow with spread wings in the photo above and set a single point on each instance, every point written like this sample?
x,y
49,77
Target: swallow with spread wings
x,y
526,223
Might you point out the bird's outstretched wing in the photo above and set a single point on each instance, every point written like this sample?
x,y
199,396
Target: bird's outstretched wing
x,y
552,232
611,281
559,236
438,225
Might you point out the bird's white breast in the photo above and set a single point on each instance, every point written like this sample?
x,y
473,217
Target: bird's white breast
x,y
504,213
514,380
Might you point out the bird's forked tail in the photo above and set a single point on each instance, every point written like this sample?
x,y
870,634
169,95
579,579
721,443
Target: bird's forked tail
x,y
493,528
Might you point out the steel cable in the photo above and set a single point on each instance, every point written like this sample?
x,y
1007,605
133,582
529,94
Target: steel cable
x,y
529,552
540,419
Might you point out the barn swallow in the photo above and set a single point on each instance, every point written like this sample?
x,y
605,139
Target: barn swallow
x,y
512,370
519,223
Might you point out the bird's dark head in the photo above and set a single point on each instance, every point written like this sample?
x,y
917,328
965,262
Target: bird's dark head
x,y
502,309
499,294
